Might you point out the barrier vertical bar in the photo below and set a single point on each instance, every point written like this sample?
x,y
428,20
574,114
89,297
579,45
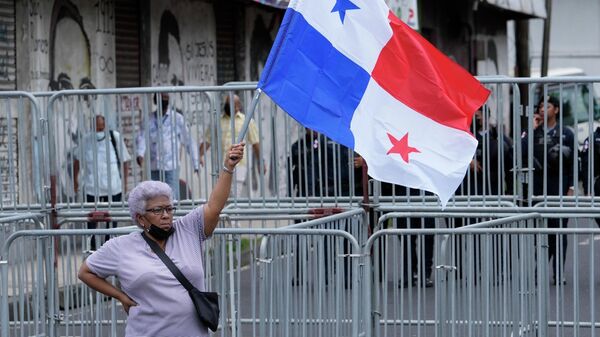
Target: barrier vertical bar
x,y
355,295
39,300
4,322
542,262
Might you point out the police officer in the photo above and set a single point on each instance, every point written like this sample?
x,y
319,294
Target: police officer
x,y
553,155
591,183
490,170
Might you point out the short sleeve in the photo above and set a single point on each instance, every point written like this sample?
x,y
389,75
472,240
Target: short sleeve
x,y
105,261
76,151
140,141
122,148
193,222
207,134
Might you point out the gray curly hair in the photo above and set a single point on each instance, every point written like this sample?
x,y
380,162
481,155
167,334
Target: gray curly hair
x,y
143,192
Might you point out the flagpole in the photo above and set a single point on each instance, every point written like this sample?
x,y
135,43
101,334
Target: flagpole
x,y
365,189
249,115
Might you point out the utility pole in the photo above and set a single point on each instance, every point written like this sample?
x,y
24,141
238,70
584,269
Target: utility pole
x,y
546,39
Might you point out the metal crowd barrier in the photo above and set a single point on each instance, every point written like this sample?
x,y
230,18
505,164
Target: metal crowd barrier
x,y
128,111
307,178
22,181
41,294
11,223
43,133
490,279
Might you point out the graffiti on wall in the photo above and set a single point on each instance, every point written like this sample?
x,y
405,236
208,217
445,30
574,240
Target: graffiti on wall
x,y
105,25
170,56
39,45
7,46
70,67
182,62
69,46
8,160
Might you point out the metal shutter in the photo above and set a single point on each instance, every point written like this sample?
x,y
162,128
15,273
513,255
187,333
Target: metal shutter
x,y
225,19
127,43
7,45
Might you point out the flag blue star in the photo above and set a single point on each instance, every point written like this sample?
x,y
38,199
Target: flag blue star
x,y
341,6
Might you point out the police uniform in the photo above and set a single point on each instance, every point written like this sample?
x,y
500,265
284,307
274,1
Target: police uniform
x,y
496,179
590,179
555,152
548,154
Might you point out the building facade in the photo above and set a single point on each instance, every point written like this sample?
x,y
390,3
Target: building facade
x,y
59,44
49,45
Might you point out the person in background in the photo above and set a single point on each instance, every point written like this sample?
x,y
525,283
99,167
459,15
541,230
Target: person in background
x,y
490,170
155,301
308,162
589,176
227,135
553,156
104,160
166,132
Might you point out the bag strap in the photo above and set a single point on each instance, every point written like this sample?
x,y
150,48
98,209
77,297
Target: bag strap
x,y
169,263
114,144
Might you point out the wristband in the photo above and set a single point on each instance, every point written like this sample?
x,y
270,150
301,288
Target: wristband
x,y
227,170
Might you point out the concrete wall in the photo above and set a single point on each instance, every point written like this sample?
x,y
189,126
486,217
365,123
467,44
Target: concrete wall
x,y
183,43
65,43
76,38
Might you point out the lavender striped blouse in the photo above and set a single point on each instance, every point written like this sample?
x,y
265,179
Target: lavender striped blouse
x,y
164,306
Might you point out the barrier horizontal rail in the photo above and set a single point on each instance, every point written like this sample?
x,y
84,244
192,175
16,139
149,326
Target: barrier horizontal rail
x,y
232,217
587,212
490,246
508,172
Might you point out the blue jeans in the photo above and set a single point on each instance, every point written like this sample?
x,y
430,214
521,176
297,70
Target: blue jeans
x,y
171,178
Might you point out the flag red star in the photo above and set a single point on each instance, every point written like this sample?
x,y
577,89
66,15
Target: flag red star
x,y
401,147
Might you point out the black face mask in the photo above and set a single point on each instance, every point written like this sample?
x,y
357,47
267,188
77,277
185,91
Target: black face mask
x,y
159,233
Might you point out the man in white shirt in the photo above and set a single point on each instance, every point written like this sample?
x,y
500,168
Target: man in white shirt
x,y
166,132
104,160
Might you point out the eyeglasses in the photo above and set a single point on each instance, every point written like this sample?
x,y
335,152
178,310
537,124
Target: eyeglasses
x,y
160,210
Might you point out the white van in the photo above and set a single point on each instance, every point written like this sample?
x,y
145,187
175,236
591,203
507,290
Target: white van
x,y
575,98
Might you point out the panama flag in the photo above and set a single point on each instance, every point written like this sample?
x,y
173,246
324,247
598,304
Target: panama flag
x,y
352,70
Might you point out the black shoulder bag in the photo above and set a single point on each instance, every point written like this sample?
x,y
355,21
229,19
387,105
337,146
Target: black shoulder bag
x,y
114,144
206,303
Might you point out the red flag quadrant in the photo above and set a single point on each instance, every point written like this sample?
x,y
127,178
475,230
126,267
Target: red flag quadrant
x,y
420,76
416,90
